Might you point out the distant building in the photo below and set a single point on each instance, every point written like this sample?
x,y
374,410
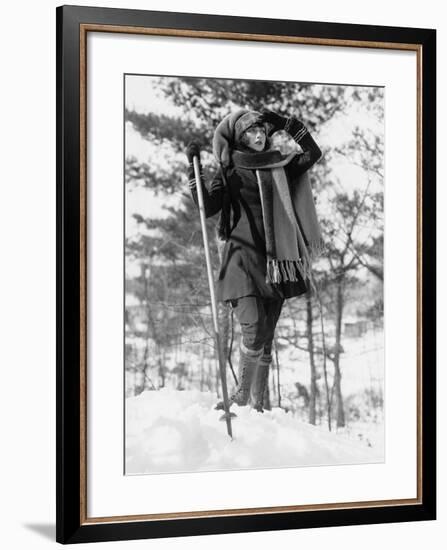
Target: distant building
x,y
354,328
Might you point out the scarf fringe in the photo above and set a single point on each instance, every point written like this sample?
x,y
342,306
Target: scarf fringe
x,y
281,271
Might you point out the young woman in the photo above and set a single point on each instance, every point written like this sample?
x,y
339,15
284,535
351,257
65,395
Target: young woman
x,y
269,223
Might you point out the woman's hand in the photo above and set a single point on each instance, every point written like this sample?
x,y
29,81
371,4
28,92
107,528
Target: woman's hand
x,y
192,150
291,125
278,122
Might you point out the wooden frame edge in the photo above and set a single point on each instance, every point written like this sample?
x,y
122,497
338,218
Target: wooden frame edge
x,y
86,522
84,29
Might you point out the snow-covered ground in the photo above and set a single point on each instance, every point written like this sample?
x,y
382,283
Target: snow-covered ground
x,y
361,362
179,431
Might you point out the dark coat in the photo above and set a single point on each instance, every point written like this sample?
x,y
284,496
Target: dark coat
x,y
243,263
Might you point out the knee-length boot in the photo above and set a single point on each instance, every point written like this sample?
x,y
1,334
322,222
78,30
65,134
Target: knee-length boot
x,y
260,381
248,362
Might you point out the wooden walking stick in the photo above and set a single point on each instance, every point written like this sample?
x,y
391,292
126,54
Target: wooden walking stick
x,y
221,360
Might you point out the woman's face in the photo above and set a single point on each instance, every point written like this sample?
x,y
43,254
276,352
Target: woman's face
x,y
254,137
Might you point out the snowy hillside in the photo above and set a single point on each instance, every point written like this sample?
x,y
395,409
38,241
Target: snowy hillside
x,y
179,431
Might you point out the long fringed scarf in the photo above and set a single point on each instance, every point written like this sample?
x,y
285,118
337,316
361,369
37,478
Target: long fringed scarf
x,y
292,232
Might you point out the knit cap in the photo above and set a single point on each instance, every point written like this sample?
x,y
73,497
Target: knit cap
x,y
244,122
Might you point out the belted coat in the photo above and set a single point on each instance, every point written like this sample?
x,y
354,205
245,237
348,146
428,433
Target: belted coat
x,y
243,262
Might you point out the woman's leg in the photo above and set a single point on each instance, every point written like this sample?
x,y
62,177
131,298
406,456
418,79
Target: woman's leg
x,y
251,315
260,380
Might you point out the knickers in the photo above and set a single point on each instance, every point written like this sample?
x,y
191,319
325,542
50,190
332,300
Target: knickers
x,y
257,317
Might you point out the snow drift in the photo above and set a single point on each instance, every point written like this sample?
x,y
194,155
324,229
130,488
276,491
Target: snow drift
x,y
179,431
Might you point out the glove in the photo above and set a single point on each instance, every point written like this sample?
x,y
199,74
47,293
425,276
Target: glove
x,y
277,122
295,128
192,150
291,125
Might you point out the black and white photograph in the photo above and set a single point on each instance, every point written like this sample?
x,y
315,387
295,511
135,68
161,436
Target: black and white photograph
x,y
254,300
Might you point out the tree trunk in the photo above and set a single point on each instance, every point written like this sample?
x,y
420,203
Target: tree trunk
x,y
340,413
274,381
278,383
161,371
266,401
313,369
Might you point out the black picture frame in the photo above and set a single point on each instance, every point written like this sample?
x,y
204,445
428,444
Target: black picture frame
x,y
72,525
